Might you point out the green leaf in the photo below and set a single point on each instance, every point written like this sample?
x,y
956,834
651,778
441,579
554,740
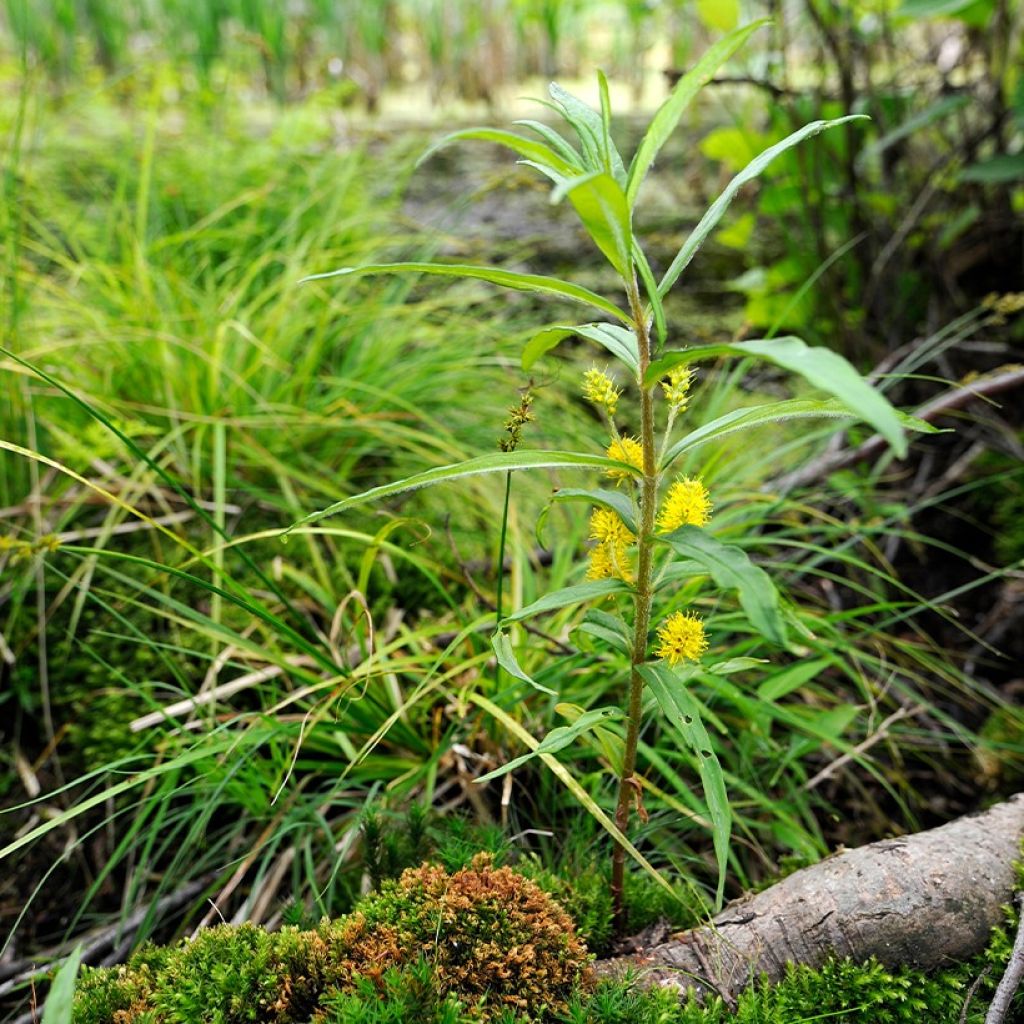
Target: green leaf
x,y
526,148
493,275
719,14
731,568
682,711
60,999
717,209
618,502
555,141
589,591
559,738
619,341
507,660
931,8
590,128
610,628
997,170
651,288
727,668
497,462
941,108
601,206
755,416
667,117
791,678
826,370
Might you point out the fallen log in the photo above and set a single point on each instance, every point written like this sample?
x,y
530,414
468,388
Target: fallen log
x,y
923,901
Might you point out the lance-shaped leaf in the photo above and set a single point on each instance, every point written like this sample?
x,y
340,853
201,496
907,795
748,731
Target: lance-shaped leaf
x,y
618,502
555,599
497,462
680,708
715,212
599,152
61,997
559,738
610,628
755,416
620,342
601,206
651,288
528,149
555,141
493,275
667,117
821,367
731,568
507,660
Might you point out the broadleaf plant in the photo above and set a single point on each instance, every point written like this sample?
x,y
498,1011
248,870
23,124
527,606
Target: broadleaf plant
x,y
645,517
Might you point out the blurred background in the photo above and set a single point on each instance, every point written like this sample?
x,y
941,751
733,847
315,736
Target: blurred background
x,y
191,710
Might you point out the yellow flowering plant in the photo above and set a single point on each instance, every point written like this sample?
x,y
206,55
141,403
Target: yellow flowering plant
x,y
648,513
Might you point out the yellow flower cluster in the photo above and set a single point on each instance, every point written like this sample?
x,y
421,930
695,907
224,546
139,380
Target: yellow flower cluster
x,y
686,504
600,389
609,558
677,387
682,638
628,450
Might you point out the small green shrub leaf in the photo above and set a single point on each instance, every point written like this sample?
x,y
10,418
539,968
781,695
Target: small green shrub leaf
x,y
820,367
537,152
588,591
507,660
497,462
683,712
731,568
668,114
493,275
620,342
717,209
559,738
61,997
618,502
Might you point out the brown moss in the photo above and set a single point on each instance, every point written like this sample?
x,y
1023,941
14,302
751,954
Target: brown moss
x,y
493,937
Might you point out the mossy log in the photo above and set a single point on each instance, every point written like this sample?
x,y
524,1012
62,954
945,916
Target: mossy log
x,y
924,900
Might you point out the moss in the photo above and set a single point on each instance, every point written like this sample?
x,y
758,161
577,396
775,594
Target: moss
x,y
496,945
486,944
492,936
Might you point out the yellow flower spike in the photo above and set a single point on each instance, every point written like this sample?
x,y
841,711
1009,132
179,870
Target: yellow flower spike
x,y
682,638
686,504
605,525
600,389
601,565
677,387
628,450
609,558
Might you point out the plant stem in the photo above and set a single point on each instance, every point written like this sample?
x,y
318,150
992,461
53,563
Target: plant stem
x,y
628,789
501,565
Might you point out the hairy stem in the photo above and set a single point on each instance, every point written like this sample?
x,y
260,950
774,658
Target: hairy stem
x,y
628,788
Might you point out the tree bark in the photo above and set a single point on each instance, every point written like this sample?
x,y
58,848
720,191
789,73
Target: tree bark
x,y
922,901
